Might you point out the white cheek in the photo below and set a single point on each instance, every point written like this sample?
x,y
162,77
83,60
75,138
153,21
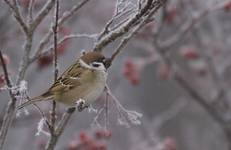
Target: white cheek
x,y
101,67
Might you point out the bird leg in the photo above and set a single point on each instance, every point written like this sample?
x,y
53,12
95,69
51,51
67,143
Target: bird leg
x,y
81,105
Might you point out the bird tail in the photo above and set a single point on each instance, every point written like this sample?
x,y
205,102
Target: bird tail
x,y
42,97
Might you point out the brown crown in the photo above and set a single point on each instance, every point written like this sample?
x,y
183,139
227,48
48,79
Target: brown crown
x,y
92,56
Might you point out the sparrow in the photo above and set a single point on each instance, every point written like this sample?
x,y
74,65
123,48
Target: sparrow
x,y
85,79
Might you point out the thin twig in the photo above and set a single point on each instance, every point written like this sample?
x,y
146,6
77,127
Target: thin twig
x,y
185,28
61,41
135,30
60,128
148,10
29,39
106,112
42,14
30,11
55,28
181,80
66,15
110,22
8,82
10,110
17,15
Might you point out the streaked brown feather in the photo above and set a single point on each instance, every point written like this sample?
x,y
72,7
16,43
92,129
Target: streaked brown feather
x,y
73,78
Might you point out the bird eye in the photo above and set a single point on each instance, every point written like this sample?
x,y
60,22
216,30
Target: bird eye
x,y
95,64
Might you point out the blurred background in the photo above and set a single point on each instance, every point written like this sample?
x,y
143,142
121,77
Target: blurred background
x,y
196,37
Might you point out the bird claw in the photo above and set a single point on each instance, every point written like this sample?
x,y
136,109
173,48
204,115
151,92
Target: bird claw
x,y
81,105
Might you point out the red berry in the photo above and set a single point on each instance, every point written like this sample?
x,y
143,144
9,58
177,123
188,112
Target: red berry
x,y
92,146
2,80
64,30
163,71
135,80
73,145
227,6
131,72
171,15
107,134
146,32
189,53
63,46
83,136
169,144
99,134
26,3
41,144
45,60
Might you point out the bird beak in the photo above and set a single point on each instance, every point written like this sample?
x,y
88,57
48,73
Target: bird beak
x,y
107,62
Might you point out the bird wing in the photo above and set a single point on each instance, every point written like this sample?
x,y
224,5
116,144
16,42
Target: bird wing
x,y
69,79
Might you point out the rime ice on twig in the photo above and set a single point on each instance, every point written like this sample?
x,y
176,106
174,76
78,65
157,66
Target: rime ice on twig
x,y
40,128
22,95
64,39
22,91
123,5
91,109
66,15
125,117
96,122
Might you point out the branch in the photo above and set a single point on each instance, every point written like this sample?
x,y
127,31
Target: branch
x,y
135,30
60,128
65,38
53,110
10,110
185,28
149,9
17,15
125,117
42,14
181,81
55,29
30,11
6,75
66,15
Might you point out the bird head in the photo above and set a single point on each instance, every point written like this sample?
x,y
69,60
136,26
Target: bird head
x,y
96,60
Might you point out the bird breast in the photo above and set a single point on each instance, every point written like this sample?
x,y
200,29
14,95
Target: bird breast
x,y
88,91
97,88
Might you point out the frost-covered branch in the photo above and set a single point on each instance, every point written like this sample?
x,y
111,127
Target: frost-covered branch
x,y
46,38
10,111
149,9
